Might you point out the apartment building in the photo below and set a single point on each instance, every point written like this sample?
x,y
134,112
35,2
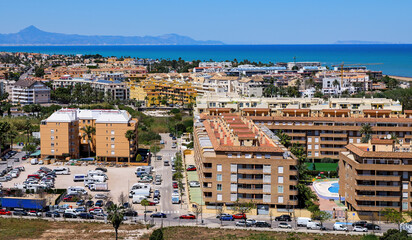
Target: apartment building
x,y
30,91
375,176
62,135
237,160
324,128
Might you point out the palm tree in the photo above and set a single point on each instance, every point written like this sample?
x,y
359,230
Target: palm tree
x,y
366,130
336,83
147,100
4,129
88,131
12,135
130,135
395,140
28,127
144,203
115,215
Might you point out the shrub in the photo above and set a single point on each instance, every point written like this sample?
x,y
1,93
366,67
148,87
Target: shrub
x,y
157,235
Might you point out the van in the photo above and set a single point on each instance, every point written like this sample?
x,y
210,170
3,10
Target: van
x,y
141,186
34,161
79,177
303,221
76,190
61,171
70,210
340,227
143,192
137,199
99,178
314,226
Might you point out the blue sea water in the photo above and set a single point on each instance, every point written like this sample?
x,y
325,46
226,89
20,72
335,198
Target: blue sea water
x,y
396,59
334,188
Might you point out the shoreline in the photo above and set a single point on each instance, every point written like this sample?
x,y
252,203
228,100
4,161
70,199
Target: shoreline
x,y
408,79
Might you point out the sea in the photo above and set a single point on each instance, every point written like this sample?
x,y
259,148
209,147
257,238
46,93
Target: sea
x,y
392,59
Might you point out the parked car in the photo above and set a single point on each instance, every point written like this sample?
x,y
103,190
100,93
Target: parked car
x,y
251,221
174,184
99,203
283,218
262,224
372,226
225,217
166,163
34,213
239,216
131,213
158,215
191,168
359,223
20,213
80,202
4,212
84,215
188,216
69,215
340,227
360,229
194,184
89,203
100,196
243,223
284,225
156,193
101,169
52,214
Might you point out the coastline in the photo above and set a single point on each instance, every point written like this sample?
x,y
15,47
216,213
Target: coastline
x,y
408,79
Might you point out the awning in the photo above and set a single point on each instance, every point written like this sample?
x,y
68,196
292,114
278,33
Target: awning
x,y
36,153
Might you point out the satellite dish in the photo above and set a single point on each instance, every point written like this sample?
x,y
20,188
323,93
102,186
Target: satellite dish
x,y
389,136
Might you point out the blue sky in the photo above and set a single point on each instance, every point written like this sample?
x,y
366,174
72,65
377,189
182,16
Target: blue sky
x,y
253,21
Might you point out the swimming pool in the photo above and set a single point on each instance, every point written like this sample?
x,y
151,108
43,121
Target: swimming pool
x,y
334,188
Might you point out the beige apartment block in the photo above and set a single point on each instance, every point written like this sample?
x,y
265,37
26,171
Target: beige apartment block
x,y
376,175
108,143
238,161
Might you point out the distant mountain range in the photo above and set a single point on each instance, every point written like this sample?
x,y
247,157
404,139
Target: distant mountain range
x,y
34,36
361,42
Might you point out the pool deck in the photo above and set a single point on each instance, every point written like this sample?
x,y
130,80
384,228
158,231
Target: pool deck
x,y
322,189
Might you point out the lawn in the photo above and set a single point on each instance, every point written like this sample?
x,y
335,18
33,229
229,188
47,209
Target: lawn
x,y
323,166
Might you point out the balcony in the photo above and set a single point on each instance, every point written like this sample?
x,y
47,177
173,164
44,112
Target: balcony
x,y
377,188
334,135
377,198
250,170
378,177
250,190
250,180
373,207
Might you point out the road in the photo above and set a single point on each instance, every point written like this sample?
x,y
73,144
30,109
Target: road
x,y
166,188
26,74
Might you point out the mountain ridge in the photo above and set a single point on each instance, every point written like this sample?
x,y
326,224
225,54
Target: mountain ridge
x,y
33,36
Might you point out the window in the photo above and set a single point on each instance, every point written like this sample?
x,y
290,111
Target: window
x,y
219,197
358,140
112,139
350,140
267,178
309,139
112,145
316,146
316,139
280,199
266,198
233,187
266,188
229,155
309,147
52,151
405,195
280,189
233,177
267,156
280,179
219,187
258,155
316,154
280,169
233,167
404,185
219,177
112,152
248,155
309,154
404,205
112,132
219,167
52,137
51,131
233,197
267,169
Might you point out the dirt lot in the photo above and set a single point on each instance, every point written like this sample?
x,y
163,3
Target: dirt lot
x,y
120,179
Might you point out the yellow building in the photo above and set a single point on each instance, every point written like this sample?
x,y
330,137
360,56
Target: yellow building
x,y
63,135
163,92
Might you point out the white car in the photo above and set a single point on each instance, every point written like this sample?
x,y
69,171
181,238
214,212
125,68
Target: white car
x,y
194,184
156,200
251,221
284,225
360,229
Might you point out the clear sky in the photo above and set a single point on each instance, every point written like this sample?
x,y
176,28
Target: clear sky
x,y
237,21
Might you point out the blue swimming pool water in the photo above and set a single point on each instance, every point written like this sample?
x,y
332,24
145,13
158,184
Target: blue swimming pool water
x,y
334,188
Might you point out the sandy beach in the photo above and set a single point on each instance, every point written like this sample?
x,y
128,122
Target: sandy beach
x,y
409,79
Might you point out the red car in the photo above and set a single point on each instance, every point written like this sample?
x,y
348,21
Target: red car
x,y
174,184
188,216
191,168
4,212
69,198
152,204
239,216
95,208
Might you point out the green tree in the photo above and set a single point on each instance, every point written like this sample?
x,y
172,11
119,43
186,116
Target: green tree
x,y
12,134
39,71
4,130
130,135
322,216
393,234
366,131
394,216
89,132
145,203
154,149
243,207
115,216
284,138
139,158
157,234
